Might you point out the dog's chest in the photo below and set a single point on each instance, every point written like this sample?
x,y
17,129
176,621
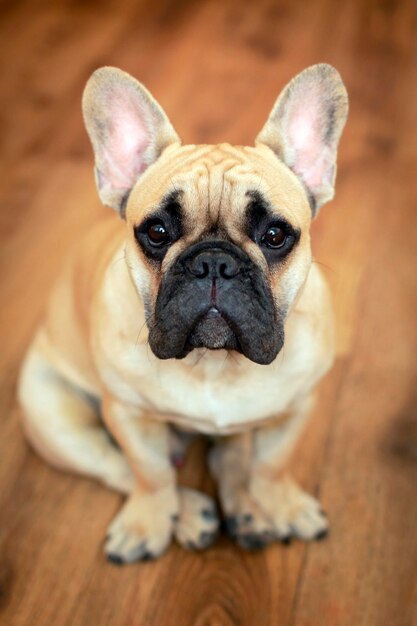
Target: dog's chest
x,y
212,393
220,404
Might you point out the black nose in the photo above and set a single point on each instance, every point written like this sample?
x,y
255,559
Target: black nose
x,y
213,264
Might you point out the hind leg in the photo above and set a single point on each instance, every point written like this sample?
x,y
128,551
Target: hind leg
x,y
63,426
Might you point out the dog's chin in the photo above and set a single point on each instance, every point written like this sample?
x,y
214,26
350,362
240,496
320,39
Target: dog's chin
x,y
212,331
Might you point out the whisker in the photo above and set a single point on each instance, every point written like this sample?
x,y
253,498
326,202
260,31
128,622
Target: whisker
x,y
202,355
140,330
326,267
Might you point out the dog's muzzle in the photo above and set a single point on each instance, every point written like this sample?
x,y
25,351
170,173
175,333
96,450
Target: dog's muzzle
x,y
214,296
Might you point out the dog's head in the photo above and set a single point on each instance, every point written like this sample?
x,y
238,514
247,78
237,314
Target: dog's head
x,y
217,236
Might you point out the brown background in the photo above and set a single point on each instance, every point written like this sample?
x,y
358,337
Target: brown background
x,y
216,67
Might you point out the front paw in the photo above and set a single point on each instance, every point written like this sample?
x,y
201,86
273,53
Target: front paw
x,y
143,528
273,510
294,513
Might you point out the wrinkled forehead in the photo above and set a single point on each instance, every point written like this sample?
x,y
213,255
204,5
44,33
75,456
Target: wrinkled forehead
x,y
215,184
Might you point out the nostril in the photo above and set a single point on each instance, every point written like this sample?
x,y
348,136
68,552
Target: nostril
x,y
228,269
199,268
223,270
204,270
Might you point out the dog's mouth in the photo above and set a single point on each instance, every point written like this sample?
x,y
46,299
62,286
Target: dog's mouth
x,y
213,331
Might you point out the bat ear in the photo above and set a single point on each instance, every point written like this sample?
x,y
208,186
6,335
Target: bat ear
x,y
304,129
128,130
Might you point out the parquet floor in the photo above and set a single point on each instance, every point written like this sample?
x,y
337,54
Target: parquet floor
x,y
216,67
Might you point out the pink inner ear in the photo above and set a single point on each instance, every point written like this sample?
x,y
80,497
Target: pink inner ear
x,y
312,158
126,141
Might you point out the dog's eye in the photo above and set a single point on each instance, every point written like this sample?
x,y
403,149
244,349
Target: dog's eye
x,y
275,237
158,235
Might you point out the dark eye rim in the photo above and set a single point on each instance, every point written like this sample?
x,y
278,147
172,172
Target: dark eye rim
x,y
260,217
156,252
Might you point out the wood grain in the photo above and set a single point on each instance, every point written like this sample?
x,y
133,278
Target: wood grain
x,y
217,67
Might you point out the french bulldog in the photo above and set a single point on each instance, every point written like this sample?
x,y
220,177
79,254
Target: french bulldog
x,y
199,311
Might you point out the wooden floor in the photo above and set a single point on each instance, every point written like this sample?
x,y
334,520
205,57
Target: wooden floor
x,y
217,66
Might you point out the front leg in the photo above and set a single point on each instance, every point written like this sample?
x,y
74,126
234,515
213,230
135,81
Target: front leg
x,y
260,501
144,527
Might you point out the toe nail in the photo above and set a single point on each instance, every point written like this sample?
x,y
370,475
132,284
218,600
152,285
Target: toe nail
x,y
209,514
251,541
322,534
115,558
286,541
247,518
175,518
206,539
147,556
231,524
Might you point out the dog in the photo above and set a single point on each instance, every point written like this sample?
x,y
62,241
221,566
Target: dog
x,y
199,311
